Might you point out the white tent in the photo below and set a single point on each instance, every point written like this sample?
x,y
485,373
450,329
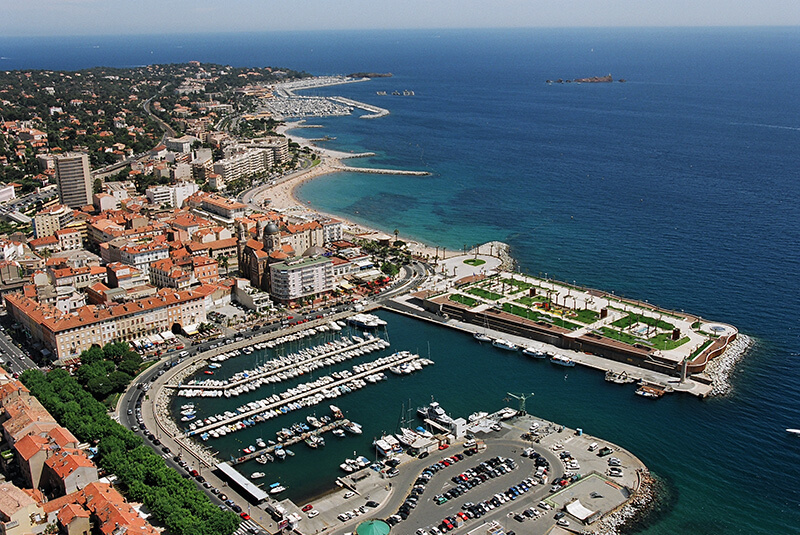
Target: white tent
x,y
580,512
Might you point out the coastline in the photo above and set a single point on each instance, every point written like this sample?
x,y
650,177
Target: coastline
x,y
283,195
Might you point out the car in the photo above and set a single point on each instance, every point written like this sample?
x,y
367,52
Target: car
x,y
559,515
194,473
349,494
444,446
613,461
206,484
519,518
223,497
307,508
156,442
372,504
313,513
422,455
544,505
200,479
130,411
562,522
236,508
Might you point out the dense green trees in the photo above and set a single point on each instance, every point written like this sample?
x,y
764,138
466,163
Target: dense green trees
x,y
174,501
108,370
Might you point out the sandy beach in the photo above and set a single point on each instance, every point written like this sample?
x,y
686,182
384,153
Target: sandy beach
x,y
282,195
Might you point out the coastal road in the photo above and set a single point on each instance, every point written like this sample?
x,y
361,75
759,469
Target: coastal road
x,y
14,357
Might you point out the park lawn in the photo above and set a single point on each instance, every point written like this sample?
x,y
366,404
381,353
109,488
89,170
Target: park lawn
x,y
486,294
632,318
665,342
586,316
527,300
536,316
474,261
463,299
696,352
619,336
520,285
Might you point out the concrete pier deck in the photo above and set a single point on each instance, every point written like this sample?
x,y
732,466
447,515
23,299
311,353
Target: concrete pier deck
x,y
377,171
290,442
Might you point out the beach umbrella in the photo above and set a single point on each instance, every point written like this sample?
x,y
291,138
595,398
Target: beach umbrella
x,y
373,527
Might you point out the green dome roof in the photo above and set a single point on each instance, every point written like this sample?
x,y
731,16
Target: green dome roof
x,y
373,527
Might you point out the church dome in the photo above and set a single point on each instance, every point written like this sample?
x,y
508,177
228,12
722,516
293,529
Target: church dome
x,y
272,228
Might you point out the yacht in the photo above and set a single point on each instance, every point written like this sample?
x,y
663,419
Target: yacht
x,y
504,344
353,428
562,360
276,488
481,337
795,432
436,413
257,475
536,351
280,453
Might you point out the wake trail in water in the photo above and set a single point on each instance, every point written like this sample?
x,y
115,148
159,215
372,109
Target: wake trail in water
x,y
762,125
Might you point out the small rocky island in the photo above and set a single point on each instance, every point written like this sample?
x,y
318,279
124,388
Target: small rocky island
x,y
593,80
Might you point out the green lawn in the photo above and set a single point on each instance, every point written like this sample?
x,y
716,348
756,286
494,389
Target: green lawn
x,y
665,342
536,316
632,318
474,261
586,316
486,294
463,299
620,336
700,349
531,300
520,285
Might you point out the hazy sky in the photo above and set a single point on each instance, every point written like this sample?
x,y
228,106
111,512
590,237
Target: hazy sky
x,y
103,17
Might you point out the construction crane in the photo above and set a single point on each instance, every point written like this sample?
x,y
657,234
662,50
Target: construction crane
x,y
522,398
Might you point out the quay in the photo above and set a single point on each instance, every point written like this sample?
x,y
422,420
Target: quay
x,y
367,344
289,442
388,363
375,111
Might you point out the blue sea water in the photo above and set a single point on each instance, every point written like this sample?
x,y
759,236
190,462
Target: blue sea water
x,y
679,186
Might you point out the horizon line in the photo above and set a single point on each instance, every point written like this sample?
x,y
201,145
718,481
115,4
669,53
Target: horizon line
x,y
426,29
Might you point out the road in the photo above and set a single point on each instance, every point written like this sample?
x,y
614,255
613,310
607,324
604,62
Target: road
x,y
15,357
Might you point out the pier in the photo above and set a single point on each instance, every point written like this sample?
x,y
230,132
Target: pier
x,y
375,111
368,368
289,442
374,171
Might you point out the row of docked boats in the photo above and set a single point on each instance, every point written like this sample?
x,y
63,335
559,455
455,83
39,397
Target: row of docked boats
x,y
303,395
351,465
333,326
408,368
285,367
534,350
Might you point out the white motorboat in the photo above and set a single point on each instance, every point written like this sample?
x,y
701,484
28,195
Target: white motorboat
x,y
257,475
501,343
481,337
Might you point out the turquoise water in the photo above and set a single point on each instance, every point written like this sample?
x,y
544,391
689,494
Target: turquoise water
x,y
679,186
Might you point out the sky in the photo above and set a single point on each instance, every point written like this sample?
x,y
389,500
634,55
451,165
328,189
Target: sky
x,y
110,17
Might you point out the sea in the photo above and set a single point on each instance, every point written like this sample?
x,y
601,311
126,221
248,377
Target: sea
x,y
679,186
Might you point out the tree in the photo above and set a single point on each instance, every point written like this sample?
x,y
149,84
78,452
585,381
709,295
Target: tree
x,y
223,263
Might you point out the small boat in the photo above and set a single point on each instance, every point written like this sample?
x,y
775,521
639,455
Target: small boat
x,y
276,490
562,360
620,378
280,453
338,432
795,432
313,422
208,372
337,413
188,418
261,459
504,344
290,453
257,475
534,351
260,443
187,406
353,428
481,337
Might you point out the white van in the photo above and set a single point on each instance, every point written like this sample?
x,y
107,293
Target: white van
x,y
593,446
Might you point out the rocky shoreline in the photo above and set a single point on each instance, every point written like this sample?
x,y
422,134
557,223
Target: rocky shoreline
x,y
637,507
721,368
